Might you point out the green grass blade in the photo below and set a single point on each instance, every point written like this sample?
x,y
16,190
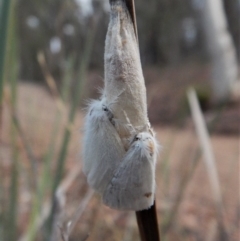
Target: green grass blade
x,y
4,18
8,65
76,99
68,74
11,227
67,132
45,179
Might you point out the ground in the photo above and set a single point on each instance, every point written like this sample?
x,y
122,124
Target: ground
x,y
184,195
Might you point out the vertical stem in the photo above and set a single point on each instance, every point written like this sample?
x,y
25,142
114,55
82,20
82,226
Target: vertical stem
x,y
148,224
146,219
4,18
11,231
67,133
131,9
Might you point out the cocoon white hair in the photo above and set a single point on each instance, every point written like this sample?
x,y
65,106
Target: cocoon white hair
x,y
119,148
123,71
102,148
133,184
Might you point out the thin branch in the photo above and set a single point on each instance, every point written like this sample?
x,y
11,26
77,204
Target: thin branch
x,y
67,230
131,9
62,189
148,224
209,159
50,80
204,139
29,151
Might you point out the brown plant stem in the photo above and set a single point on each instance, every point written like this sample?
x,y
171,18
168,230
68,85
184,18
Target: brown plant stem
x,y
131,9
148,224
146,219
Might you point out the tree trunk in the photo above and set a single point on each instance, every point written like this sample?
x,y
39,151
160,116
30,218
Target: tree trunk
x,y
232,9
221,49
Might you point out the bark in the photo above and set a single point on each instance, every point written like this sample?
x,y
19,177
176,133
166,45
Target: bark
x,y
220,46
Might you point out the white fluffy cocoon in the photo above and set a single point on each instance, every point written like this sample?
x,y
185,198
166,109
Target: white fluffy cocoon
x,y
119,148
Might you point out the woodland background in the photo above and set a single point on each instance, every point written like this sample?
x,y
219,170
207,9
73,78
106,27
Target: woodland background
x,y
51,62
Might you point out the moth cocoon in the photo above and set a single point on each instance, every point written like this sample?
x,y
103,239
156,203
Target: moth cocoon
x,y
102,147
119,147
133,184
123,71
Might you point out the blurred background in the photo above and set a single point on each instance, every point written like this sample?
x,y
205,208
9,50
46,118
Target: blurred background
x,y
51,63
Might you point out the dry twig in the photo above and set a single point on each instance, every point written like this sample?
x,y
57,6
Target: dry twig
x,y
67,230
60,194
209,158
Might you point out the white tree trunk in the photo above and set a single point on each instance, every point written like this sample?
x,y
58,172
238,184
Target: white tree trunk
x,y
221,49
